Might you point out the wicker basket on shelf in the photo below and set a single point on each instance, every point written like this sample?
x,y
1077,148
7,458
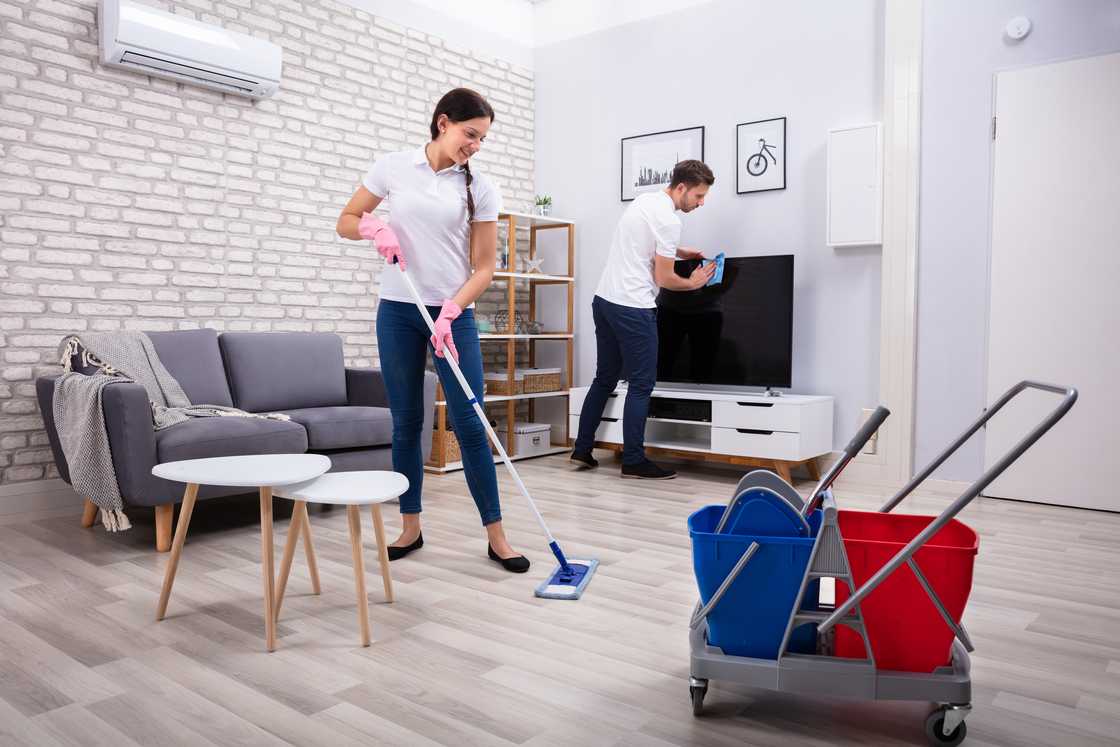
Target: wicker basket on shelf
x,y
541,379
445,448
497,382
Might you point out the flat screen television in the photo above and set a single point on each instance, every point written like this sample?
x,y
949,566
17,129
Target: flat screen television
x,y
736,333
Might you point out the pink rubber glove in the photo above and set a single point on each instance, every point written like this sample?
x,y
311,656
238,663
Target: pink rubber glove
x,y
376,230
449,313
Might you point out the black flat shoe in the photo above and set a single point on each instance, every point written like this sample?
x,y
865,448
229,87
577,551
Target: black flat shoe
x,y
519,564
396,553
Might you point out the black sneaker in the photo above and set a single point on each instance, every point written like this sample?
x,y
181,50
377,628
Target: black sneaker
x,y
647,470
584,458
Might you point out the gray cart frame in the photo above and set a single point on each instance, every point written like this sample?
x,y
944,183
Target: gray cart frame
x,y
821,673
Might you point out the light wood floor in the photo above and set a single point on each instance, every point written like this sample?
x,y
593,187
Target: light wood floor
x,y
467,655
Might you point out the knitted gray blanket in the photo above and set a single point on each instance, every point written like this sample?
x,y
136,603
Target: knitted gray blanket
x,y
121,357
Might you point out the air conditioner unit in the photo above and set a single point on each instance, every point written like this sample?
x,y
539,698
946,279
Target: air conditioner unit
x,y
146,40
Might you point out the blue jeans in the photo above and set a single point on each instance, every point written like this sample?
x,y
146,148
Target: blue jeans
x,y
402,343
625,340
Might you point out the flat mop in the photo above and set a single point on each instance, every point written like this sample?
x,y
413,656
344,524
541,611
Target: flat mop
x,y
571,578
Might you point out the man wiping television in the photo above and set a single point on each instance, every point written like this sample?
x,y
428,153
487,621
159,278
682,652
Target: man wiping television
x,y
645,246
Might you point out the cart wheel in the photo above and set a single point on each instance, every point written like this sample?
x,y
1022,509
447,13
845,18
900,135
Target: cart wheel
x,y
936,736
696,694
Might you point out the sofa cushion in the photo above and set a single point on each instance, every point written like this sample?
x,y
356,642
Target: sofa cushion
x,y
192,356
284,370
345,427
199,438
357,460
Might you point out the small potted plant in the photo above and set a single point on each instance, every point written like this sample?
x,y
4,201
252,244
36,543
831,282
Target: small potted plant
x,y
543,205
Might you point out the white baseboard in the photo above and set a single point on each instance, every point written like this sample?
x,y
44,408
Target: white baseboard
x,y
949,487
37,495
859,474
856,474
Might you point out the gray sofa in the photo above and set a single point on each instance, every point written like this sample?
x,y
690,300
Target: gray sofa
x,y
338,411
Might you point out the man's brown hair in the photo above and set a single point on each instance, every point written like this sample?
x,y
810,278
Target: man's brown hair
x,y
693,173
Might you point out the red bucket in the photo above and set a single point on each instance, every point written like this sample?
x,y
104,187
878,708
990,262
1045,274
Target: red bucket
x,y
907,632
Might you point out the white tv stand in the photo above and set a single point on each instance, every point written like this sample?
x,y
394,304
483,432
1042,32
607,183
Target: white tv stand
x,y
749,429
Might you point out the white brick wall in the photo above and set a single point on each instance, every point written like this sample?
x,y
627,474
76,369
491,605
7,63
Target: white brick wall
x,y
129,202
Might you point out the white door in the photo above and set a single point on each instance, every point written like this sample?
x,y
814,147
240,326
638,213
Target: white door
x,y
1055,278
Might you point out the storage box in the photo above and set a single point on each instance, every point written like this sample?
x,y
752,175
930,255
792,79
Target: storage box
x,y
541,379
497,382
529,438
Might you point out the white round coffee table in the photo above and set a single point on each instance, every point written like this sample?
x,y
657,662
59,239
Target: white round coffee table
x,y
350,489
262,471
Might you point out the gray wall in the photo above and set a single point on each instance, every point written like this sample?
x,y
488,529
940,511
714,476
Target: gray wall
x,y
719,64
963,47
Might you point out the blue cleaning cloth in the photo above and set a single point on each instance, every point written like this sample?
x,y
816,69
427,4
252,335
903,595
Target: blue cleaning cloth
x,y
717,276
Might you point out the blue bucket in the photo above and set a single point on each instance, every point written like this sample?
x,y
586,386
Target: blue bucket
x,y
751,618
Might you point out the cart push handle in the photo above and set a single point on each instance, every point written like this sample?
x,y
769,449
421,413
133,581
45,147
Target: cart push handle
x,y
850,452
1069,396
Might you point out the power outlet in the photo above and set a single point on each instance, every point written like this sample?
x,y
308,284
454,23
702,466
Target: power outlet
x,y
872,445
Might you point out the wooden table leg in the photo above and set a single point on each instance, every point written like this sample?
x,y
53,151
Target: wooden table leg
x,y
814,469
382,550
355,521
309,548
189,496
294,529
267,569
300,528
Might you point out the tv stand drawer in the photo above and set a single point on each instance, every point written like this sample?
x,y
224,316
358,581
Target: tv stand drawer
x,y
762,416
609,430
758,443
616,402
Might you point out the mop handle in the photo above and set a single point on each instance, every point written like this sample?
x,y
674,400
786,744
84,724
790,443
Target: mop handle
x,y
482,416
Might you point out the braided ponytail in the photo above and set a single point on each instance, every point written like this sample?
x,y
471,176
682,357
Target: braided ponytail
x,y
470,197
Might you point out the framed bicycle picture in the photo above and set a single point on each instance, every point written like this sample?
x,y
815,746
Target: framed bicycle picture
x,y
760,156
648,160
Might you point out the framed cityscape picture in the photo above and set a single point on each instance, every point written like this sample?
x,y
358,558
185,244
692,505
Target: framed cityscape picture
x,y
760,156
648,160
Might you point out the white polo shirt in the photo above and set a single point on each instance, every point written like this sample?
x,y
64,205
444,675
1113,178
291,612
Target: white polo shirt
x,y
649,226
428,212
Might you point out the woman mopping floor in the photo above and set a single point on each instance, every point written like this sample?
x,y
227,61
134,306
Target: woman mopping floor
x,y
443,216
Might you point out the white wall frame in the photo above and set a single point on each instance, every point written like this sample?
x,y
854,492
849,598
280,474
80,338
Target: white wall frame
x,y
902,92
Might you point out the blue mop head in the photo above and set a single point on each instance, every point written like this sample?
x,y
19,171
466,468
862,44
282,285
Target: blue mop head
x,y
568,584
569,580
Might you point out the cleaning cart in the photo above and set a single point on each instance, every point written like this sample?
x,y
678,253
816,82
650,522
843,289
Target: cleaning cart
x,y
890,633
